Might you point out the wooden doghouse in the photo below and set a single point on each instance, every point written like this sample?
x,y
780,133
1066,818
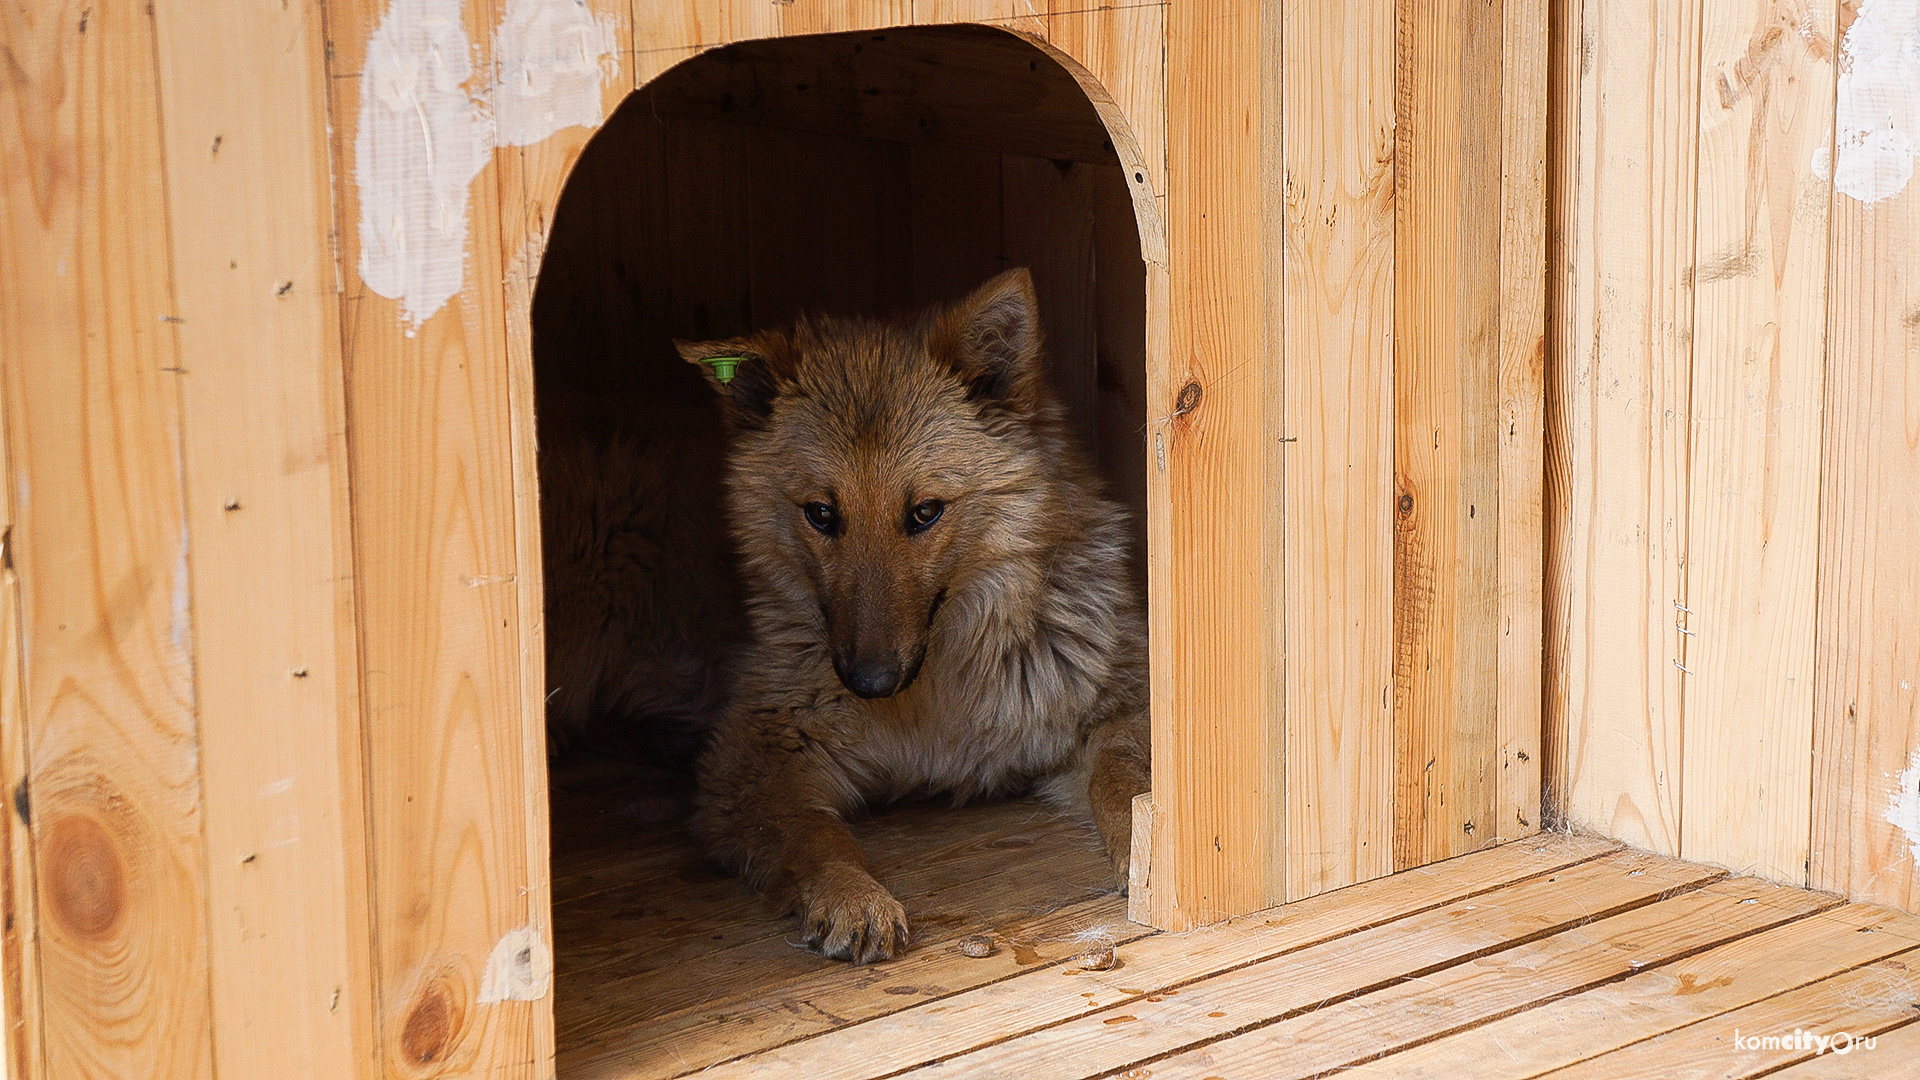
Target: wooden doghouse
x,y
280,286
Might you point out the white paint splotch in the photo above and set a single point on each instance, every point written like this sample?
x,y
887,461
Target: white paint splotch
x,y
424,135
1877,109
430,117
520,968
1903,810
552,57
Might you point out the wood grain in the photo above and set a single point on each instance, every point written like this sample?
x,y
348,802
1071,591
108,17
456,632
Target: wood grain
x,y
1428,945
1048,225
1327,1039
1445,415
1338,238
113,785
244,91
997,1011
1520,428
1623,380
1866,1000
1759,345
1730,976
1866,711
1214,597
20,1029
531,181
443,641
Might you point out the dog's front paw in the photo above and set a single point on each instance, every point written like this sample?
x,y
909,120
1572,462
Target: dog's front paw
x,y
847,915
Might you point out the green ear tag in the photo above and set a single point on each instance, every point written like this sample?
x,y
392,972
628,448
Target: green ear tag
x,y
722,367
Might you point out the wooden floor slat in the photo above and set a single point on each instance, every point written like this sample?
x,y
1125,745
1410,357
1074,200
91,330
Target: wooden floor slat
x,y
1895,1055
1497,984
1143,1027
1865,1001
1664,999
1556,955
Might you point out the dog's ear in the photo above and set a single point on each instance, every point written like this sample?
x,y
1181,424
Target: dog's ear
x,y
994,341
749,372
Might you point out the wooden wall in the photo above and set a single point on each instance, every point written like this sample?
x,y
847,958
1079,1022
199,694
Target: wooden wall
x,y
1733,574
273,733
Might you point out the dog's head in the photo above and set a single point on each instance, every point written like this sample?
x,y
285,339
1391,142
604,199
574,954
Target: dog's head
x,y
879,469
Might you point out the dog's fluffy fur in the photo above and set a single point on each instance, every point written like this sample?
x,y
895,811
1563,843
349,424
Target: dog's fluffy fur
x,y
999,648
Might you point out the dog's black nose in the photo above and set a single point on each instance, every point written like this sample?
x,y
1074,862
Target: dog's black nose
x,y
871,678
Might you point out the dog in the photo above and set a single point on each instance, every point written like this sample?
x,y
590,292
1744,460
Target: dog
x,y
938,599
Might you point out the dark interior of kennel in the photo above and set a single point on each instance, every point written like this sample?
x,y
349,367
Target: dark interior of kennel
x,y
848,174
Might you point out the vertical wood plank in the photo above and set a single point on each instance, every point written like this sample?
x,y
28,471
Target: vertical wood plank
x,y
1120,288
249,200
20,1019
1626,310
1759,339
1339,279
100,545
456,876
1867,655
1446,450
1047,223
1216,674
818,232
956,220
1568,161
531,179
1521,433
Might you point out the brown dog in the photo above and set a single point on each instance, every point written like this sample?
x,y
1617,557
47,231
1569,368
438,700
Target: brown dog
x,y
938,596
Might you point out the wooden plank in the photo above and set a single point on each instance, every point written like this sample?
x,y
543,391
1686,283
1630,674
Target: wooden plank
x,y
1867,657
1734,975
1048,227
531,179
1895,1056
606,931
1323,1040
1120,378
1119,56
244,89
1339,282
780,1013
442,639
1446,451
1521,432
19,919
816,230
957,235
113,785
1146,1025
972,87
1213,594
1759,340
1623,376
1036,1000
1863,1001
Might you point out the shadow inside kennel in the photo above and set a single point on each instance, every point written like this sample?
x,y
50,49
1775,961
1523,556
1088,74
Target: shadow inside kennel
x,y
853,174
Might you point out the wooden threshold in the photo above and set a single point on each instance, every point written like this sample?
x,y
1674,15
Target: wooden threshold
x,y
1557,954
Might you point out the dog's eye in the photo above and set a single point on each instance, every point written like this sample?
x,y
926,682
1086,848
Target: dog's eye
x,y
822,517
923,515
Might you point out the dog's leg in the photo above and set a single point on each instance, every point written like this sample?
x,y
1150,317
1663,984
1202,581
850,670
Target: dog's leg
x,y
771,806
1118,770
1101,780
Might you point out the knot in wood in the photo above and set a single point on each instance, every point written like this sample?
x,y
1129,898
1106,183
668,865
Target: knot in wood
x,y
1189,398
87,881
